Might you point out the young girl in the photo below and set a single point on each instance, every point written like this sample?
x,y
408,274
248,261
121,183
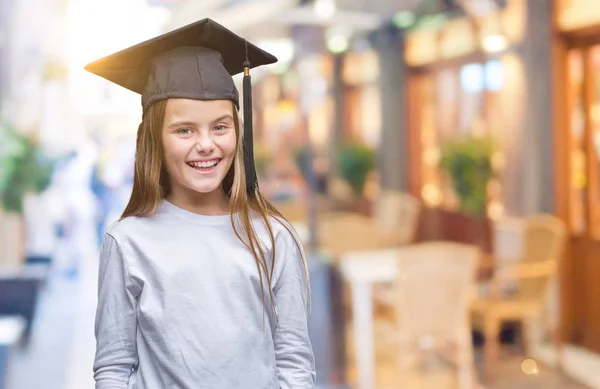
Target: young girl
x,y
202,283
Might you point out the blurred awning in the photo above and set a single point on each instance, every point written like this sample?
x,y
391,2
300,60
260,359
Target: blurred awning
x,y
276,15
302,27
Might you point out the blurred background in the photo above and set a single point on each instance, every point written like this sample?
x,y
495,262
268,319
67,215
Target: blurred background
x,y
440,159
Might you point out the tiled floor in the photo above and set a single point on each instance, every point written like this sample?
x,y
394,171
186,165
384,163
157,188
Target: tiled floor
x,y
512,377
579,362
437,374
443,376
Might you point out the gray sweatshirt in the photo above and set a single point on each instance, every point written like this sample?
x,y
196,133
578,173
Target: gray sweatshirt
x,y
180,307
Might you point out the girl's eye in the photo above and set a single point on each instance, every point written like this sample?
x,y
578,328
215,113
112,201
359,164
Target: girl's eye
x,y
184,131
220,127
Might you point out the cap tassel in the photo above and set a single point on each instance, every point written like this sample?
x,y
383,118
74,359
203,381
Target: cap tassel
x,y
251,178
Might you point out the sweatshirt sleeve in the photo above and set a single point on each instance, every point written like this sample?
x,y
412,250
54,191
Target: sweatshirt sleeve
x,y
115,325
293,350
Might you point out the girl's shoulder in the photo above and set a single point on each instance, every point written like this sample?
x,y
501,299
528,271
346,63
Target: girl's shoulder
x,y
131,226
280,227
284,232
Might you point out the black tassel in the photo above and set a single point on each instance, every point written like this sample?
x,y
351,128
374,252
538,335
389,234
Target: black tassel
x,y
251,178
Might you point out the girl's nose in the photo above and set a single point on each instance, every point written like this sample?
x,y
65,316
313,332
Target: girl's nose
x,y
205,143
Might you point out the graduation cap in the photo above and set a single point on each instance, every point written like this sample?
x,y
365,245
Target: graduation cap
x,y
197,62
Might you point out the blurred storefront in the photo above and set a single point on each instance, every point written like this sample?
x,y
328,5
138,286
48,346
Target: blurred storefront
x,y
465,78
361,97
406,92
500,74
577,139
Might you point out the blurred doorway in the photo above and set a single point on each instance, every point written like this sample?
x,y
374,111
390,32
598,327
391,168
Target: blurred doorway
x,y
578,141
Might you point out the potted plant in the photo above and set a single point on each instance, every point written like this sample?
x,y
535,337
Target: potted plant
x,y
468,162
355,162
23,170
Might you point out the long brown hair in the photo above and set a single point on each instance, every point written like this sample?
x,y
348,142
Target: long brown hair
x,y
151,185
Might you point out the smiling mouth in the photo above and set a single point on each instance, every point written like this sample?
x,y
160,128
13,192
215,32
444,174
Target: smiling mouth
x,y
204,166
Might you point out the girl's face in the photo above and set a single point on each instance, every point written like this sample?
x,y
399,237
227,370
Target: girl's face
x,y
199,141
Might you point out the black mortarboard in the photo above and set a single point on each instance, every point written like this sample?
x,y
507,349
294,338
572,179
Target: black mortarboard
x,y
196,61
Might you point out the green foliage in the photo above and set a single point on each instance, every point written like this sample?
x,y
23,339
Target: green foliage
x,y
23,168
354,163
468,161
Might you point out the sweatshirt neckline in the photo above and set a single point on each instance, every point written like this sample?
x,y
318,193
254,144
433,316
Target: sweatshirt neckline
x,y
170,208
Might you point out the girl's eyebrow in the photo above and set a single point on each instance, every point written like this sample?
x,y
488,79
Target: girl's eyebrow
x,y
188,123
221,118
182,124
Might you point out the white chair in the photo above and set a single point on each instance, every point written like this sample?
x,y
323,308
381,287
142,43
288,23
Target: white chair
x,y
398,213
340,192
529,276
433,293
508,240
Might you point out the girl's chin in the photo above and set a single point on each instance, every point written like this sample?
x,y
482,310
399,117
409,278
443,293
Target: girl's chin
x,y
204,188
204,185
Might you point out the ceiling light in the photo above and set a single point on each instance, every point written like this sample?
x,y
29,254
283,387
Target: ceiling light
x,y
324,9
494,43
337,43
338,39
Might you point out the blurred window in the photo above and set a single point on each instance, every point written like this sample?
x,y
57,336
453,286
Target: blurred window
x,y
494,76
578,172
472,78
584,140
593,137
454,101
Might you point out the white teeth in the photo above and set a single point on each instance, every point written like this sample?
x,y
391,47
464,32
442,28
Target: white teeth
x,y
205,164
